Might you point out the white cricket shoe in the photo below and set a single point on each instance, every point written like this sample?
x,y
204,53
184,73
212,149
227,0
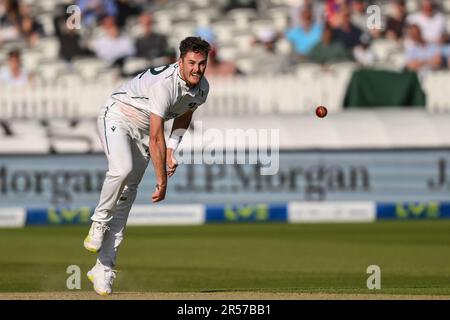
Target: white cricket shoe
x,y
94,239
102,277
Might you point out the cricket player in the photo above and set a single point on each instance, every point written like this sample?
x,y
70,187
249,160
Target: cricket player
x,y
131,129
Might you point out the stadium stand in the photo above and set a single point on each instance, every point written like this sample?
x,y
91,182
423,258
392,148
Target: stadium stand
x,y
233,27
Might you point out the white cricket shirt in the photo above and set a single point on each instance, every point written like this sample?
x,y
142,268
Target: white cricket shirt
x,y
161,91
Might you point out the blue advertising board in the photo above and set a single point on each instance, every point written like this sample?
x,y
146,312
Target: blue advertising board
x,y
74,181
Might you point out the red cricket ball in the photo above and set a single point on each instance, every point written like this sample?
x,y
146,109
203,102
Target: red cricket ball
x,y
321,111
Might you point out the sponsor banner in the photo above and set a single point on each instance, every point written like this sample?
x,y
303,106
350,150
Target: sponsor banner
x,y
302,212
58,216
413,210
12,217
246,213
310,176
167,215
139,215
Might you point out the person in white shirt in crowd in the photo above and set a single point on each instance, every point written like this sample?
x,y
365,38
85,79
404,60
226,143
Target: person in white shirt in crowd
x,y
421,56
266,59
113,47
431,22
13,74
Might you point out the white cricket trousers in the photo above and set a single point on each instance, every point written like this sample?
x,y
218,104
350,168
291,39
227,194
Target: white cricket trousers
x,y
126,167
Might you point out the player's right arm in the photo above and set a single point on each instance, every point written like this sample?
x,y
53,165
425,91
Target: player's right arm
x,y
157,146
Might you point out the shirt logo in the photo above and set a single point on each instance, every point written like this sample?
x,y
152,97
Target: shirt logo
x,y
113,128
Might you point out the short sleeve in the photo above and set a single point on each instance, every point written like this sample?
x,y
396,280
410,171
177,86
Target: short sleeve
x,y
159,99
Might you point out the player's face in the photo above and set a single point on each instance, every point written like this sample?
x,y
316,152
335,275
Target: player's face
x,y
192,67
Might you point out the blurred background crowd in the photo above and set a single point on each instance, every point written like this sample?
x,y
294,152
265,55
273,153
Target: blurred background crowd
x,y
41,41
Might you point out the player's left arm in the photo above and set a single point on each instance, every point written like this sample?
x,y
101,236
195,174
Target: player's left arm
x,y
179,127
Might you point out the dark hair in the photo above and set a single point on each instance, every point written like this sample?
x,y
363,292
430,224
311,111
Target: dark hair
x,y
14,53
194,44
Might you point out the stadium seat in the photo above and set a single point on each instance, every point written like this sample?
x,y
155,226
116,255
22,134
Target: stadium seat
x,y
15,44
47,5
283,47
48,71
412,6
70,79
245,64
49,47
260,25
46,20
205,16
182,10
88,68
135,65
227,53
28,137
108,78
163,21
243,41
201,3
223,30
183,29
73,137
30,59
133,28
280,17
242,17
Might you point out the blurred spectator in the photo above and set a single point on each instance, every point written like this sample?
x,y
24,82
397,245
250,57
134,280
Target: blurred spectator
x,y
329,49
126,9
13,74
318,9
333,9
266,60
151,45
396,23
70,42
346,31
363,52
93,11
305,36
238,4
218,68
358,13
30,28
9,21
112,47
420,55
431,22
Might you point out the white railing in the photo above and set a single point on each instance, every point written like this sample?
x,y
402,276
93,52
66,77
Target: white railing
x,y
287,94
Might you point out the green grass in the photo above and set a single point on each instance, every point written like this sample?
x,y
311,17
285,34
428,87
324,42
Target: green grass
x,y
414,258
